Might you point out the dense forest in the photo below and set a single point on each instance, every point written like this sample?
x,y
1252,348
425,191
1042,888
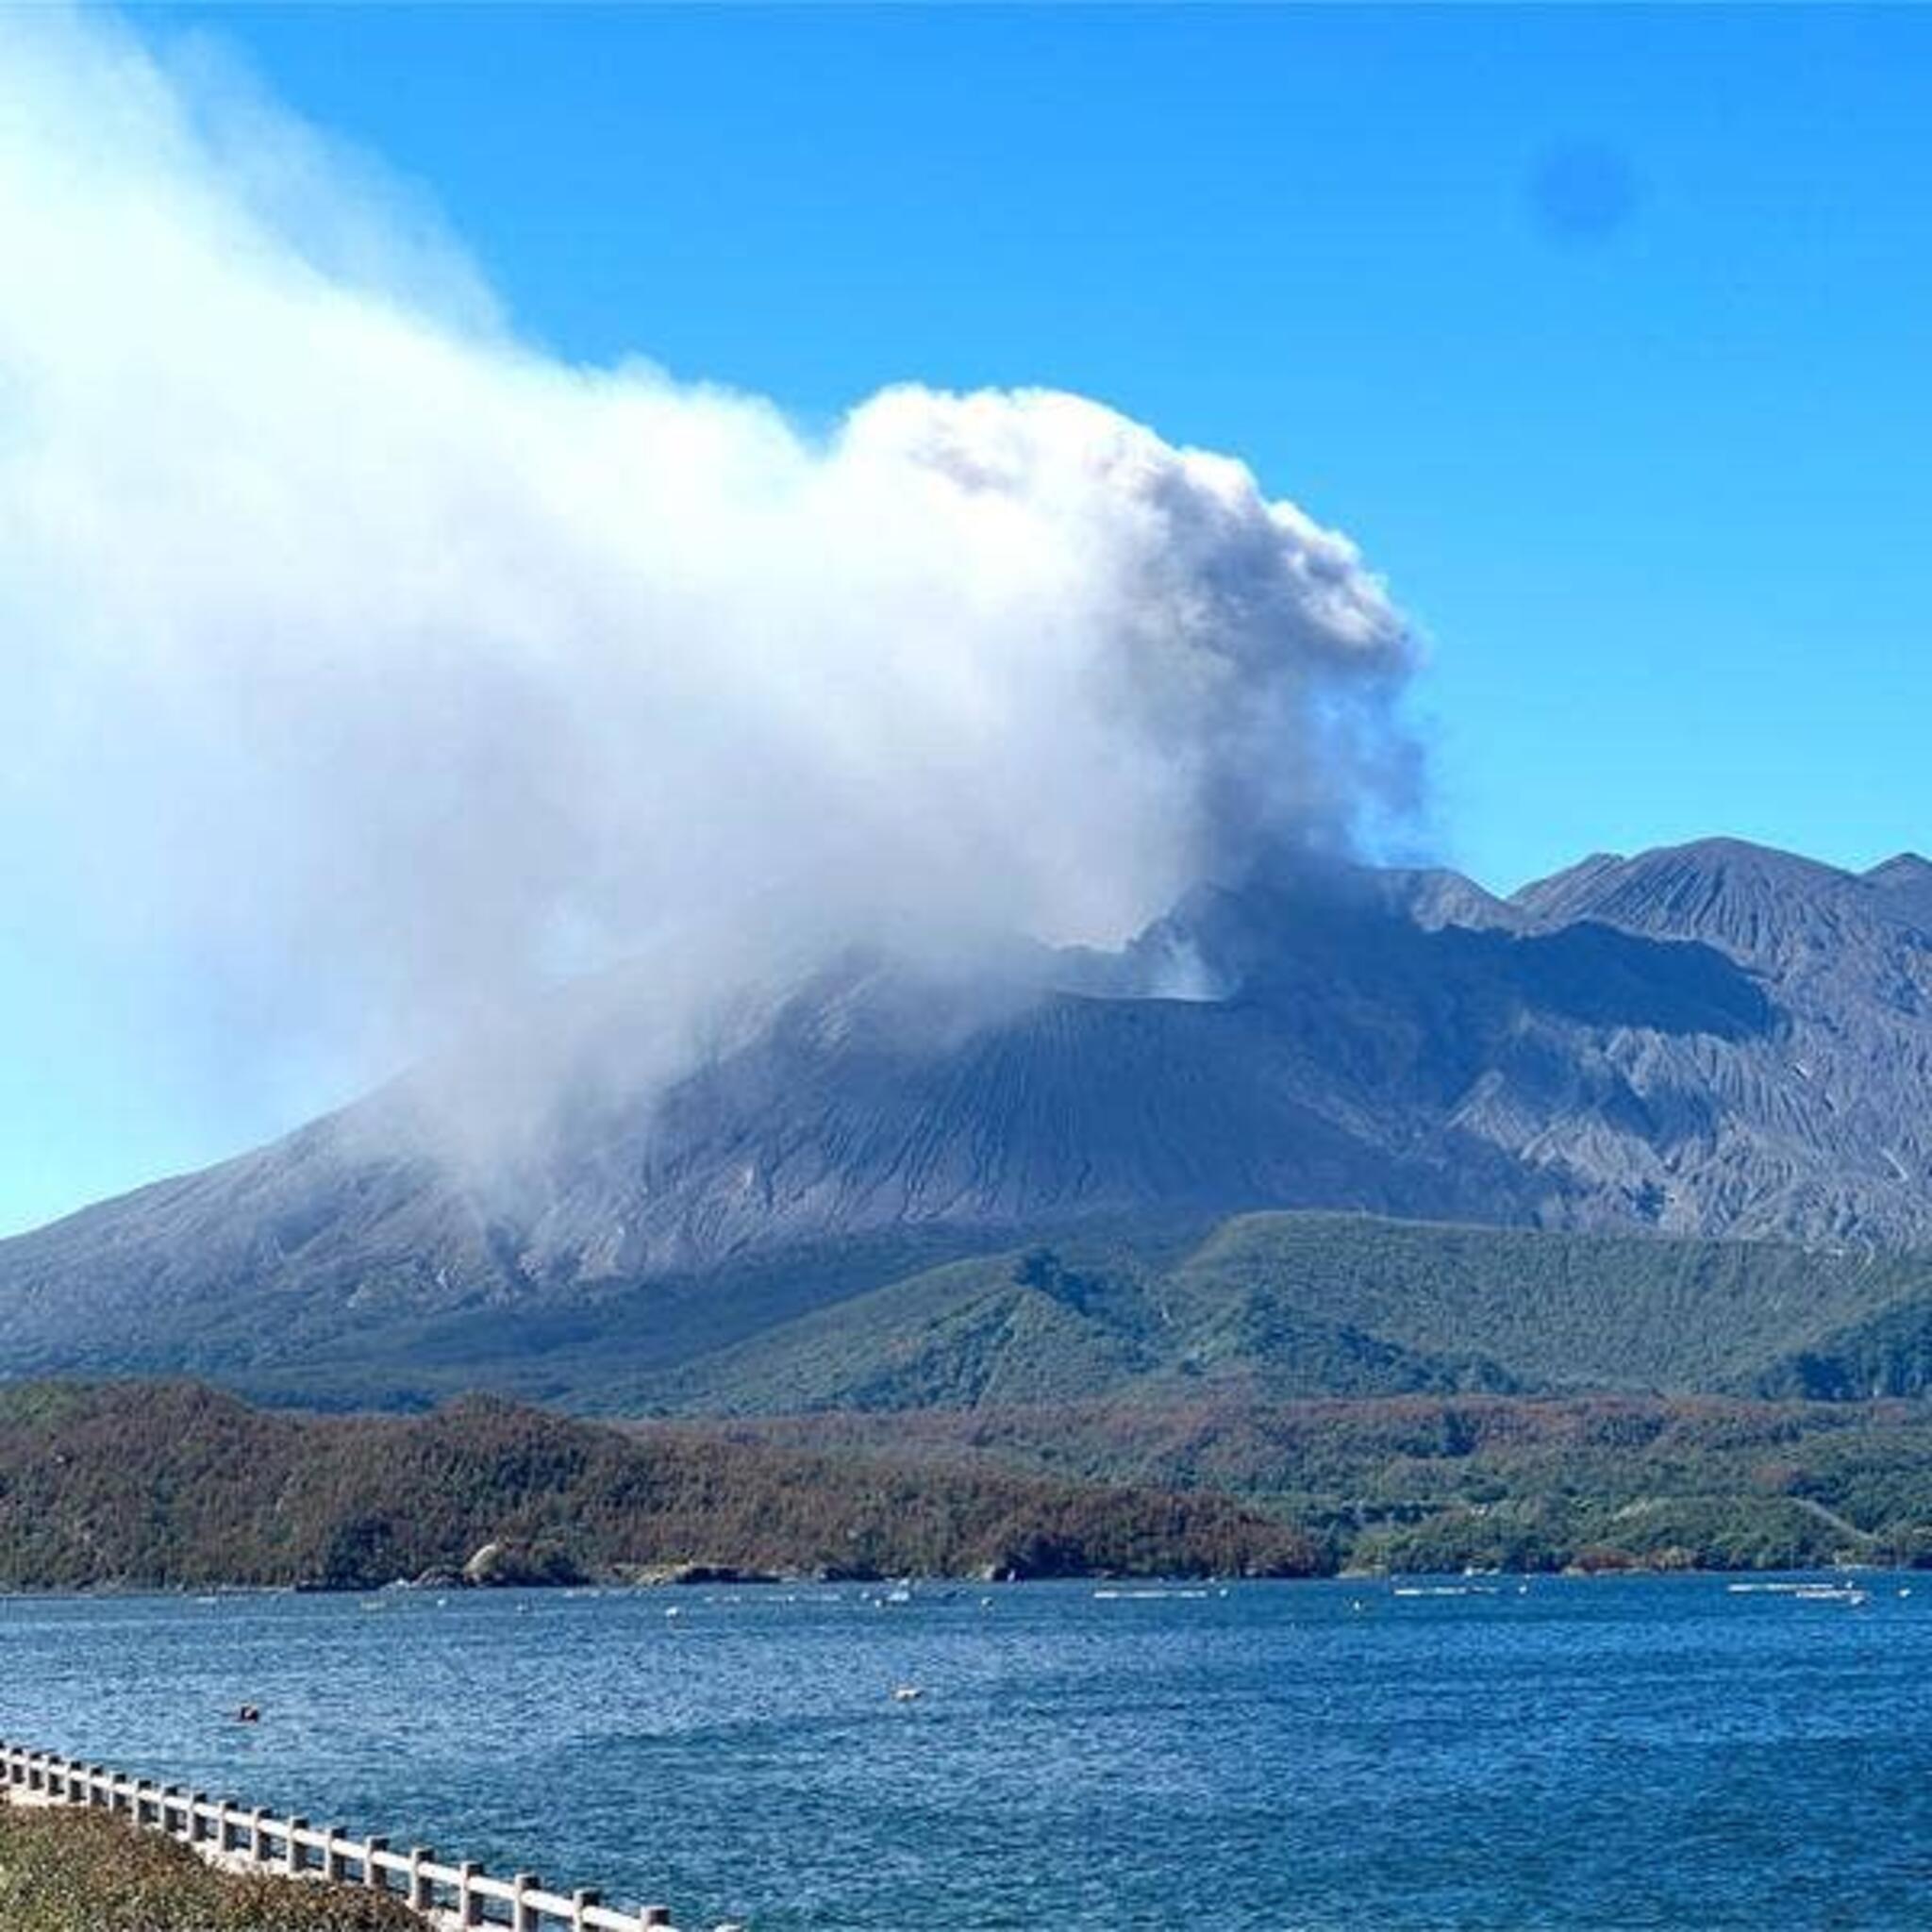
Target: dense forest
x,y
1281,1306
1436,1482
173,1485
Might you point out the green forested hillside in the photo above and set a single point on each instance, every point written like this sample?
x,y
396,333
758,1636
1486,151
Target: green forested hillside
x,y
1562,1311
1278,1391
1274,1306
173,1484
1283,1306
176,1485
1434,1482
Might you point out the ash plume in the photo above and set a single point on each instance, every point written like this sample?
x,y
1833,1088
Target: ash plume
x,y
368,666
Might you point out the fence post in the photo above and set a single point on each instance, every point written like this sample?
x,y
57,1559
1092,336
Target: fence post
x,y
296,1858
333,1864
372,1874
195,1801
581,1904
469,1901
419,1887
522,1915
258,1842
655,1915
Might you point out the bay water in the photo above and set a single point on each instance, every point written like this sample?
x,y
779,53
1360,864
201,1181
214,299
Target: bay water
x,y
1596,1753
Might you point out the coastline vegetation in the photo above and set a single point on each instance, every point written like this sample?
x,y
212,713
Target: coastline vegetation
x,y
173,1485
1592,1482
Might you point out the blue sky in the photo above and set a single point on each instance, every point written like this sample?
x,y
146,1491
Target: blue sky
x,y
1605,333
1657,485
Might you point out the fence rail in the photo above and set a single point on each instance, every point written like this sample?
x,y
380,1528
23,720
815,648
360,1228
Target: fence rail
x,y
224,1831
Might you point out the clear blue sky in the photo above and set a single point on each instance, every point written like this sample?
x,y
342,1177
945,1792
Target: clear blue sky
x,y
1607,335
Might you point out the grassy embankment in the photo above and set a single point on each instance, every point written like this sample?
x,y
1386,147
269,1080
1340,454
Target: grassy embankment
x,y
64,1871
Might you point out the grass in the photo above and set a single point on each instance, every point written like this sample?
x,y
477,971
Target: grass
x,y
66,1871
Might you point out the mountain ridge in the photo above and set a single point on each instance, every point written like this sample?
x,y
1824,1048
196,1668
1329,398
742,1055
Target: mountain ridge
x,y
1716,1040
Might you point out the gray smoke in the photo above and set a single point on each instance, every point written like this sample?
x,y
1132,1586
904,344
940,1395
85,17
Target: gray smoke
x,y
367,666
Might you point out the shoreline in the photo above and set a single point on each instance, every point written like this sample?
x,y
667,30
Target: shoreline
x,y
952,1585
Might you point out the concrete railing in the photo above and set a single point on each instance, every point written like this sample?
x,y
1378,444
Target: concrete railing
x,y
227,1834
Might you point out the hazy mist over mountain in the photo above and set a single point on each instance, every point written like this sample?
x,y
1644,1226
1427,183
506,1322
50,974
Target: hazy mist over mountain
x,y
370,668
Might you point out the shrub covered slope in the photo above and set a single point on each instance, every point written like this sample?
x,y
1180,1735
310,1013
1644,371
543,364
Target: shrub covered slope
x,y
172,1484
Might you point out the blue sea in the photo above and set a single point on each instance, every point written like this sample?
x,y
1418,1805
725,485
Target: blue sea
x,y
1657,1752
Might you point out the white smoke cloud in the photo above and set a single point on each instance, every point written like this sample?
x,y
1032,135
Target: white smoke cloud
x,y
372,663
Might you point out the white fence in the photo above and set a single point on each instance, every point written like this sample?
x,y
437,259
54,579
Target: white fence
x,y
226,1834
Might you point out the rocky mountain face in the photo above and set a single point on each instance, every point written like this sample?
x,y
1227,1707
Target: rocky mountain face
x,y
1818,1126
1715,1040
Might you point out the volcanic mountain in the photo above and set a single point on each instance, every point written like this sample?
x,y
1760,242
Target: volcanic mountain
x,y
1716,1040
